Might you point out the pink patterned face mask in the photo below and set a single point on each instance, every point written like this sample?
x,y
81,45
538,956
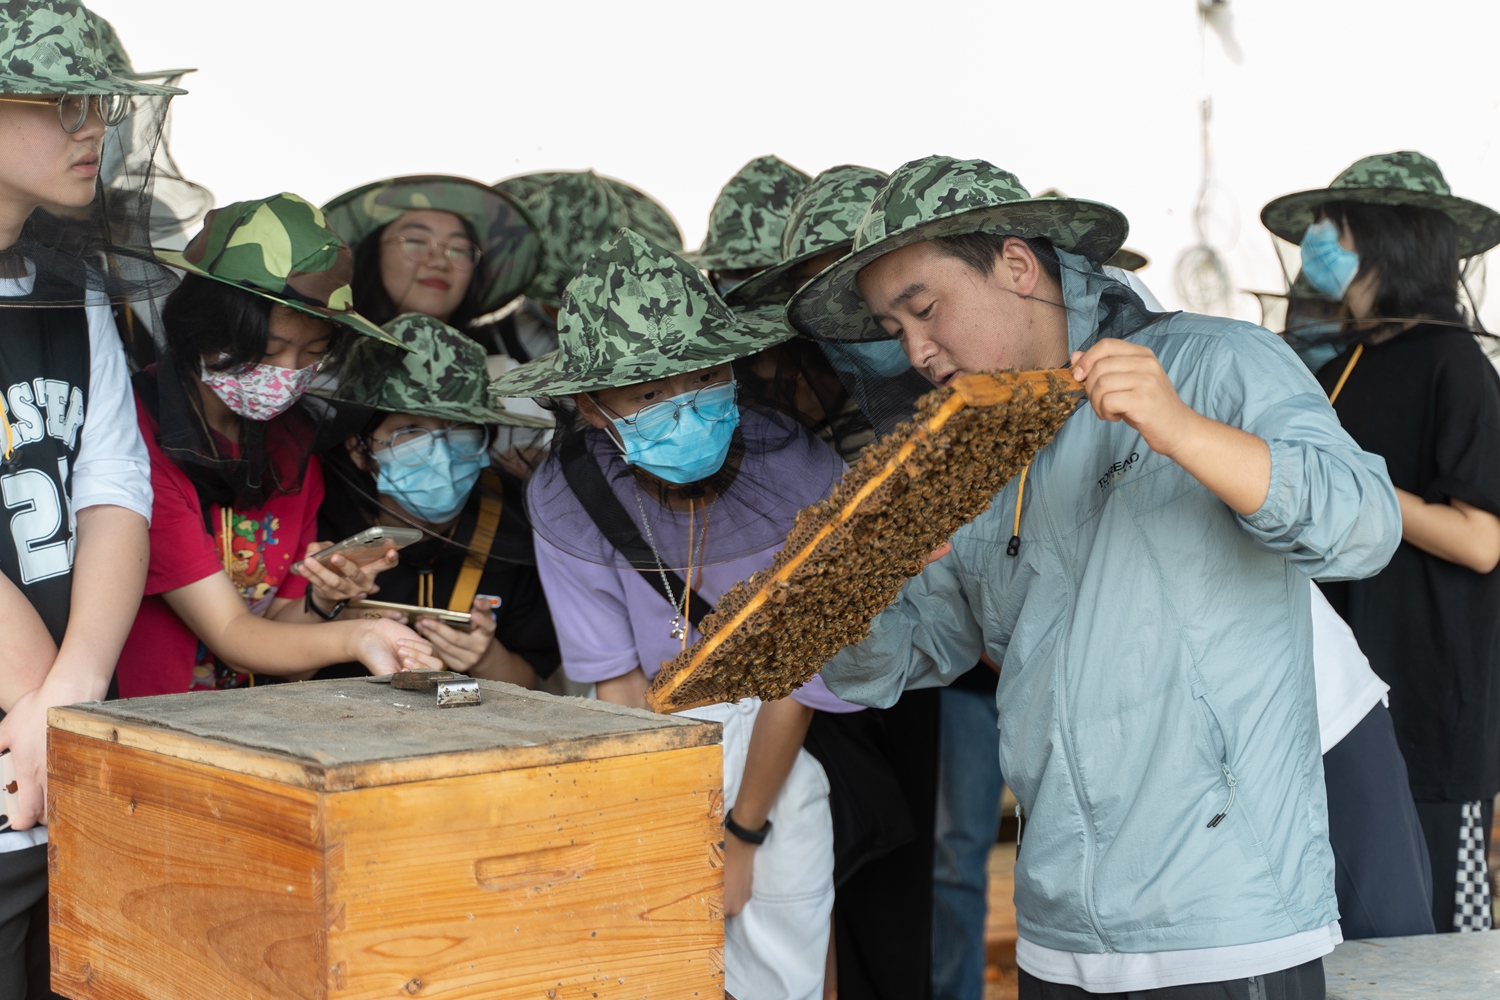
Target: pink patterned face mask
x,y
259,392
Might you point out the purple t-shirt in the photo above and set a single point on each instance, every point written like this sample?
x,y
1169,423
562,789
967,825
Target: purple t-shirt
x,y
608,619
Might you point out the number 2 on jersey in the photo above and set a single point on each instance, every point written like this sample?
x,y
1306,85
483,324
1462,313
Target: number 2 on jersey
x,y
37,508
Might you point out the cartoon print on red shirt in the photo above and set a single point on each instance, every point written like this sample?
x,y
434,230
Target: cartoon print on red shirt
x,y
247,557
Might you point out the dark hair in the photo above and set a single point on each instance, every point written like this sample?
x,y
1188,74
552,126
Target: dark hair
x,y
979,250
373,302
1415,252
350,485
204,316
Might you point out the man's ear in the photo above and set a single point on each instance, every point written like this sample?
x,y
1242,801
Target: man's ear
x,y
1020,265
589,411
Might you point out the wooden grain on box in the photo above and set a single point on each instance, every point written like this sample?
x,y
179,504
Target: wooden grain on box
x,y
340,839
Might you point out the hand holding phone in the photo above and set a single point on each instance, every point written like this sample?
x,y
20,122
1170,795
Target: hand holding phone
x,y
368,546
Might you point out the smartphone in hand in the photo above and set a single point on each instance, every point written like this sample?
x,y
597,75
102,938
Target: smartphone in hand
x,y
369,545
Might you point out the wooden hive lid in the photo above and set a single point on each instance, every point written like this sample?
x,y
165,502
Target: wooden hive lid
x,y
342,734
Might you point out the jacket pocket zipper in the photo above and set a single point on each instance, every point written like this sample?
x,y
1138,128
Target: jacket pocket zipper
x,y
1229,780
1220,741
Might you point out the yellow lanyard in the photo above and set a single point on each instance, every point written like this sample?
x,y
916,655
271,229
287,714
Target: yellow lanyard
x,y
424,589
1015,539
1339,386
9,434
226,525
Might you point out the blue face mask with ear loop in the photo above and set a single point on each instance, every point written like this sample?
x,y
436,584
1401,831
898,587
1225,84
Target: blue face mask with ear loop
x,y
685,441
1327,266
434,490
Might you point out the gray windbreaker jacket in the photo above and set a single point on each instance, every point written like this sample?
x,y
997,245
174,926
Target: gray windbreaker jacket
x,y
1156,649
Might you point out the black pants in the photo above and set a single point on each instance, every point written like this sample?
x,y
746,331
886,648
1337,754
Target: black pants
x,y
1440,825
882,908
1382,874
24,963
1303,982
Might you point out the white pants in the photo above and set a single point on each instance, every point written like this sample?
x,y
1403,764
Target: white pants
x,y
777,947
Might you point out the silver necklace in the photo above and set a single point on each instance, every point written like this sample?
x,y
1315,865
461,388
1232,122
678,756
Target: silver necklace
x,y
678,631
679,627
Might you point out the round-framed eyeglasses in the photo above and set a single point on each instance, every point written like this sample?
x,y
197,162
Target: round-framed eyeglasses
x,y
657,421
463,255
73,109
412,446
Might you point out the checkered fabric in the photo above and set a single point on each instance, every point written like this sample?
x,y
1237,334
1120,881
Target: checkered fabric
x,y
1471,911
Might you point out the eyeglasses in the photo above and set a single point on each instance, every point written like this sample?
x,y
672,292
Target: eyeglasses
x,y
657,421
462,254
412,446
73,109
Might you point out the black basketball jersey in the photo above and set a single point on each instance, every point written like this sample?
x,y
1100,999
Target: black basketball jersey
x,y
44,385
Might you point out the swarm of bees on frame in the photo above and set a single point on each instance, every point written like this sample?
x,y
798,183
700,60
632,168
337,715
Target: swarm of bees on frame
x,y
856,571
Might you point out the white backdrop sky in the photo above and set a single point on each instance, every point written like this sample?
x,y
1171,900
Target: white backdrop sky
x,y
1096,97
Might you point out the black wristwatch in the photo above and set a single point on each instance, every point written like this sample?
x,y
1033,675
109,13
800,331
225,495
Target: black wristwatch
x,y
756,837
328,616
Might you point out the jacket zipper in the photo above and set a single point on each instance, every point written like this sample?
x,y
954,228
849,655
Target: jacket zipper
x,y
1229,780
1041,498
1215,727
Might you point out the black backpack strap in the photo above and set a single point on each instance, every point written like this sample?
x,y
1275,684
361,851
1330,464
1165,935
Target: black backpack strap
x,y
587,482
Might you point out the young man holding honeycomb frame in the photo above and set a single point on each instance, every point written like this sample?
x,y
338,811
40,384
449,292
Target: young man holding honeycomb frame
x,y
1143,585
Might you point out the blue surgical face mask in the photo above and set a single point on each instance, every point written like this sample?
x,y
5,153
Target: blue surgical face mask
x,y
434,490
685,438
1327,266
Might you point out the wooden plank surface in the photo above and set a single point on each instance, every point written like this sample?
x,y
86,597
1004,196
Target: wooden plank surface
x,y
1415,968
581,880
344,734
171,879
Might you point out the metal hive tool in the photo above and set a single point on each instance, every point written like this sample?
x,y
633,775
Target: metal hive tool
x,y
847,556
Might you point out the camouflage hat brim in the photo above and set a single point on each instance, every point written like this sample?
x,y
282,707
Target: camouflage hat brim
x,y
161,74
476,414
776,285
352,320
758,330
12,84
830,306
1478,225
712,260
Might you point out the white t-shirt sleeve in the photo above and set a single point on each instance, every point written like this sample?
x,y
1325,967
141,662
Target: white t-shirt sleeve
x,y
112,465
1347,687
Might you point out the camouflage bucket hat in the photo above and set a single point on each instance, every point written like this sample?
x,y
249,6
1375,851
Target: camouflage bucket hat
x,y
575,213
940,196
440,374
636,313
823,219
279,248
745,226
510,248
53,47
118,59
1402,178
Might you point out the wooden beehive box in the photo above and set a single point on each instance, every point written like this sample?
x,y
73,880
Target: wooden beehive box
x,y
341,839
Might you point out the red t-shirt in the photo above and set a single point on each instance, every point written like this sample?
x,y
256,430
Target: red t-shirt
x,y
161,654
